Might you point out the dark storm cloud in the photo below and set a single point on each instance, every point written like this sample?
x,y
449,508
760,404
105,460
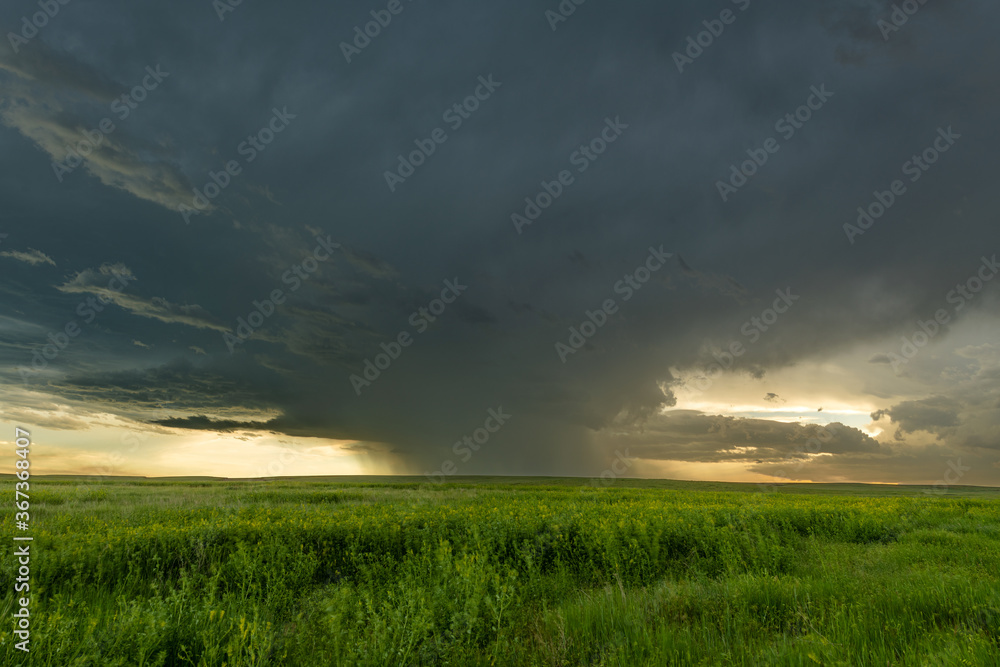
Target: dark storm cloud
x,y
967,418
686,435
370,264
180,385
655,185
725,285
57,101
40,63
203,423
938,414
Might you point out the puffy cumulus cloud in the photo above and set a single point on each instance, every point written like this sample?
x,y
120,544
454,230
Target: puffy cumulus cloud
x,y
29,256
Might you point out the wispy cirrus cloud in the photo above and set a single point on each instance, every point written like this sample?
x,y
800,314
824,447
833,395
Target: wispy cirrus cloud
x,y
53,99
29,256
97,282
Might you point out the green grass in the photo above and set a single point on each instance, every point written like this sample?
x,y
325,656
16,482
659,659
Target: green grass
x,y
494,571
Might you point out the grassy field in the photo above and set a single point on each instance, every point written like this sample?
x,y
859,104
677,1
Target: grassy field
x,y
493,571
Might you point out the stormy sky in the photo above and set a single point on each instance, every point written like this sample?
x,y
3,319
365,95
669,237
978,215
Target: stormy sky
x,y
745,240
